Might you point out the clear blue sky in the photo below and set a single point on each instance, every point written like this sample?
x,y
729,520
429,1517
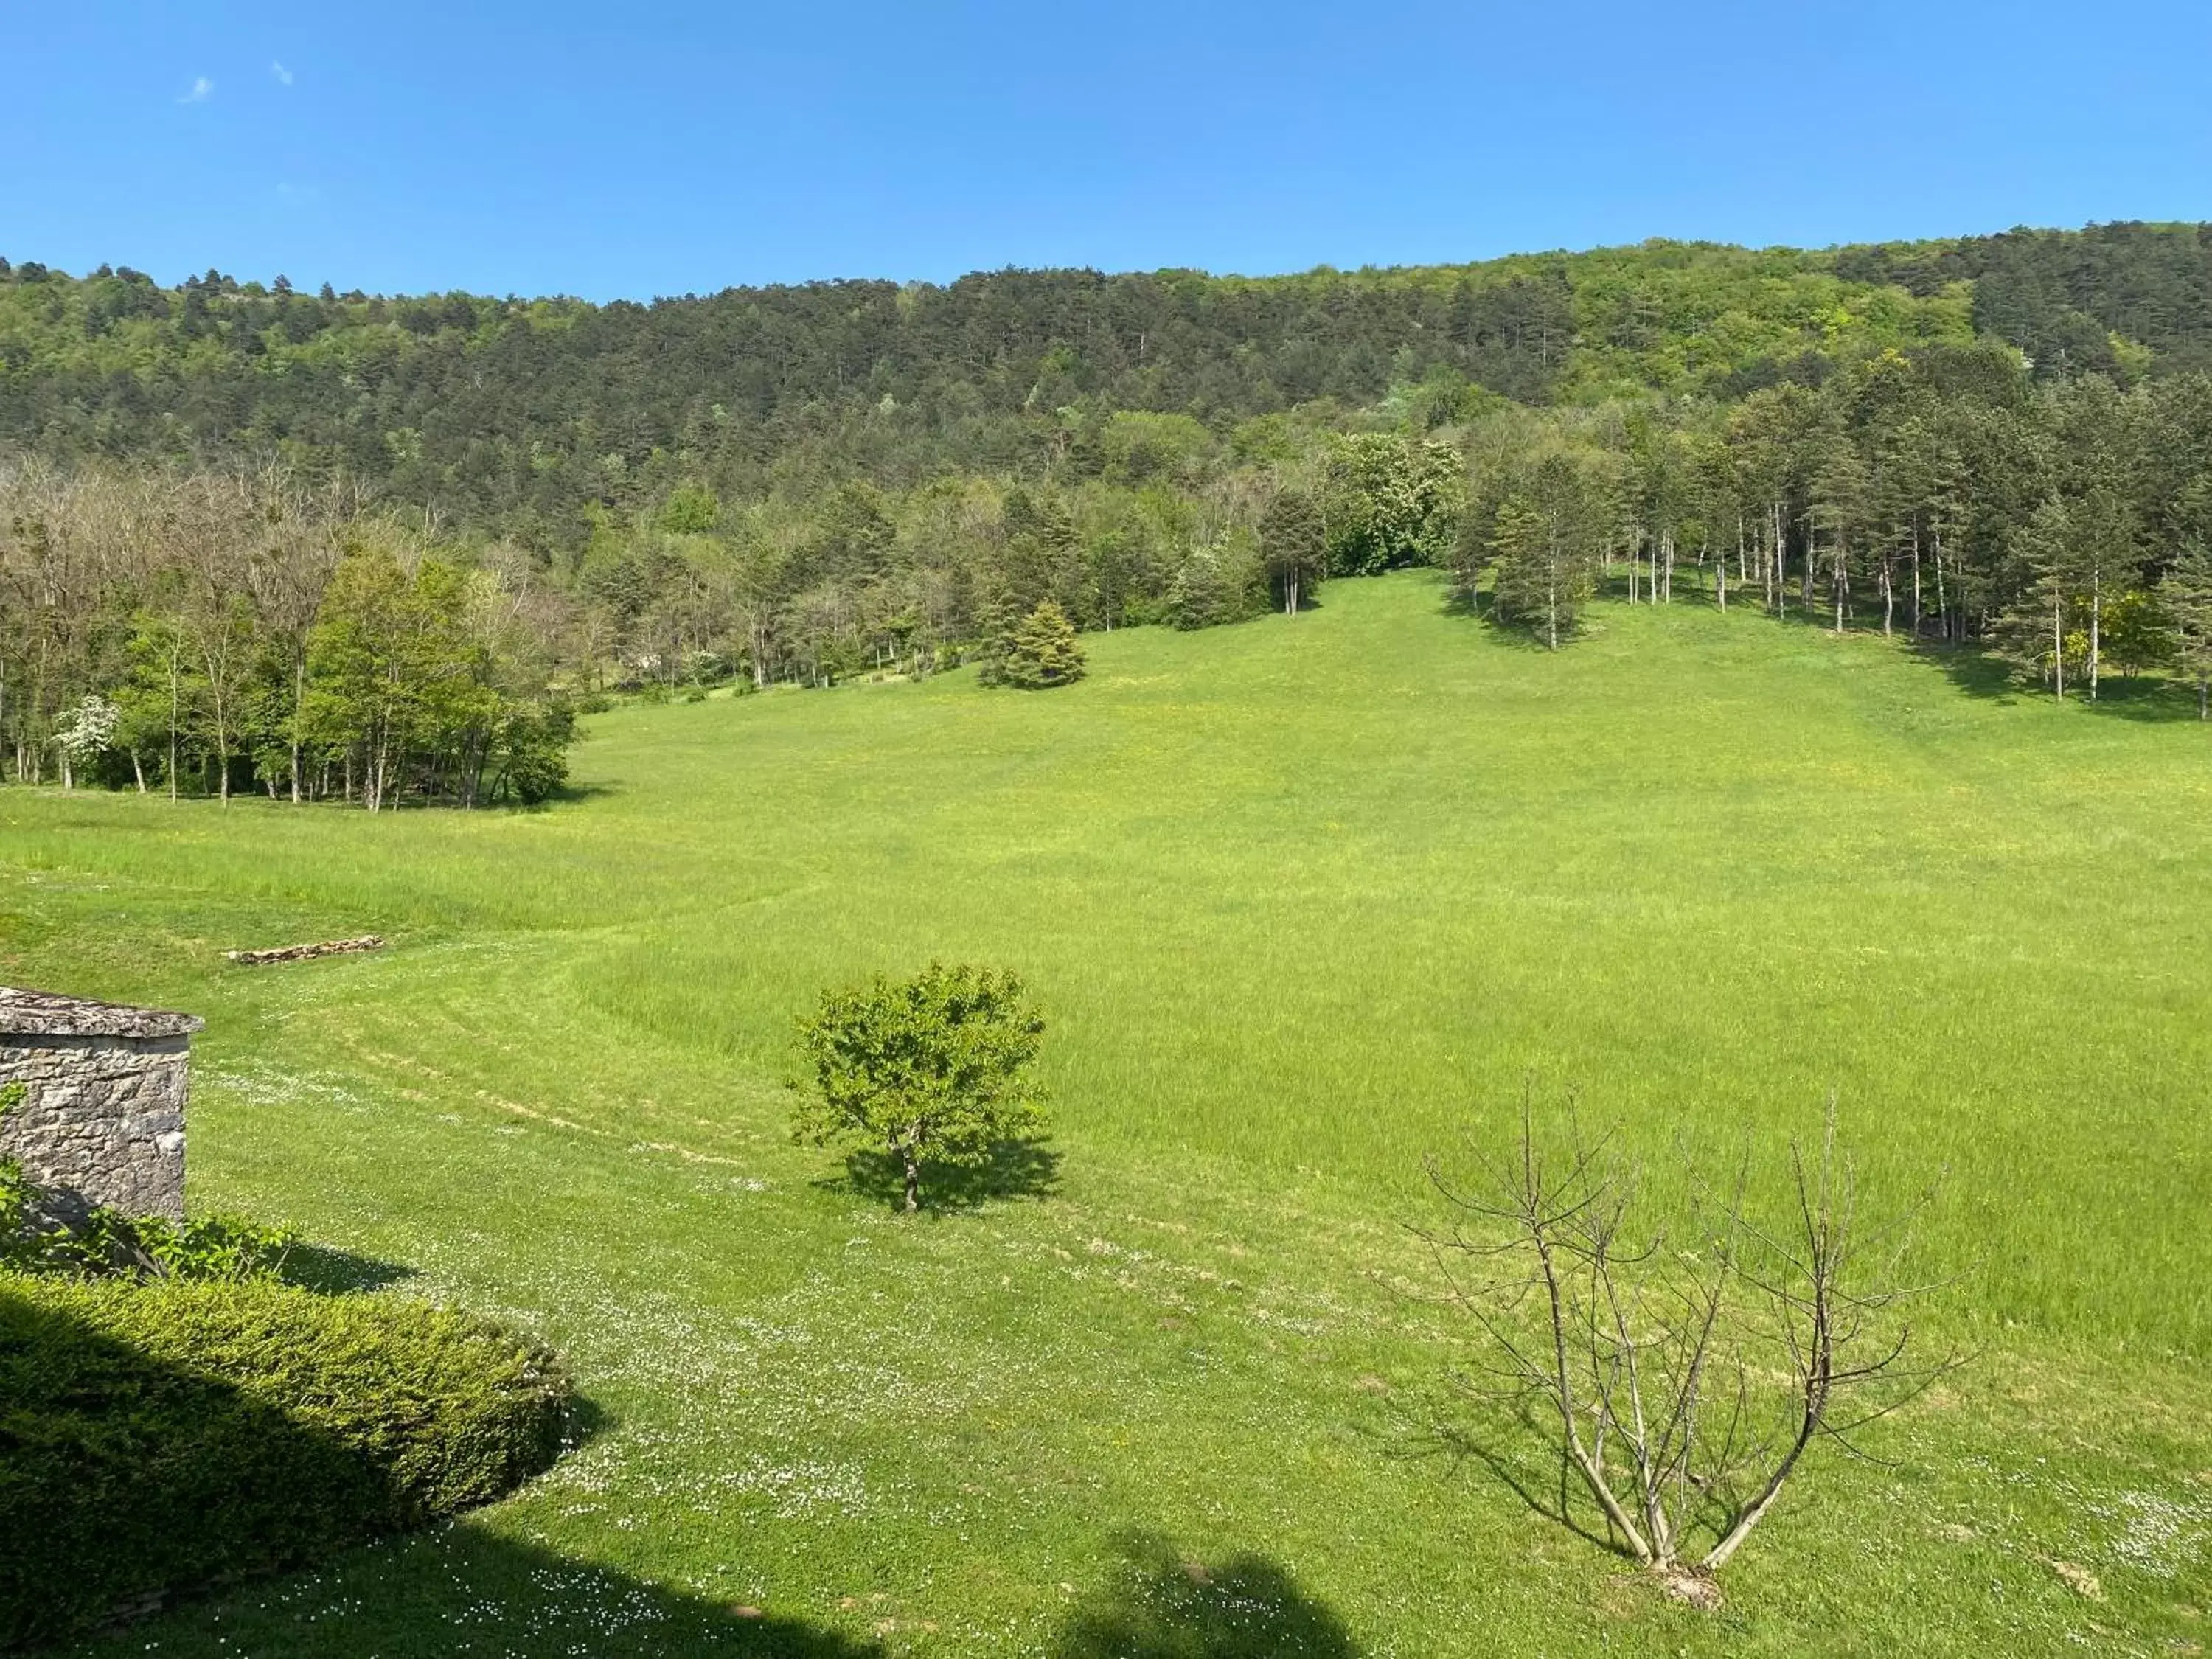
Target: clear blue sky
x,y
636,149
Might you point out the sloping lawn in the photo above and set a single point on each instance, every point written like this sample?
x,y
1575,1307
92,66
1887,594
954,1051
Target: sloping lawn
x,y
1303,900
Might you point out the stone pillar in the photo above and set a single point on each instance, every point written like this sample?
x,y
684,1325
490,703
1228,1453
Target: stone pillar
x,y
102,1122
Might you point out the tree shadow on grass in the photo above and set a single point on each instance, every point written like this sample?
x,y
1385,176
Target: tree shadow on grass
x,y
1980,672
331,1271
1515,632
1461,601
1523,636
1977,672
1162,1605
1510,1442
569,794
1013,1169
2153,702
462,1588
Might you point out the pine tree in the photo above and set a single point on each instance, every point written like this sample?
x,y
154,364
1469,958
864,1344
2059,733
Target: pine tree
x,y
1044,651
1516,544
1540,544
2037,630
1294,543
995,628
2187,592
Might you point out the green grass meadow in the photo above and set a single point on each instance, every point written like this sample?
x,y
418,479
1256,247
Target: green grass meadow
x,y
1303,900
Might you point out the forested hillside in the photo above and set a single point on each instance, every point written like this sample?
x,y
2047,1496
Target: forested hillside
x,y
503,409
1998,440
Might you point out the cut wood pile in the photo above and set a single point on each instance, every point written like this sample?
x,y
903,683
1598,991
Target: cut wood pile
x,y
335,947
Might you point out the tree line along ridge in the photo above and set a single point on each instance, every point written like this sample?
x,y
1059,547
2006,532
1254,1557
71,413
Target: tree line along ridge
x,y
1989,441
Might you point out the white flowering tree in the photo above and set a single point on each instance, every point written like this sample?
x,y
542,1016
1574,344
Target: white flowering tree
x,y
86,731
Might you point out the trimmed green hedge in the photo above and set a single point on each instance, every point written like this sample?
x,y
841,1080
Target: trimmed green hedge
x,y
155,1438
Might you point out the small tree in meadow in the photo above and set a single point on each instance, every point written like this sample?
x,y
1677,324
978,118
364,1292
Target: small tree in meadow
x,y
1682,1377
933,1069
1044,651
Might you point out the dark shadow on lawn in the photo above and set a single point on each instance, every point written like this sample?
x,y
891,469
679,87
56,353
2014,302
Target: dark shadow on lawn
x,y
329,1271
1973,668
1014,1169
1982,673
1509,1441
458,1588
1977,672
1162,1605
2153,701
1523,635
135,1478
568,794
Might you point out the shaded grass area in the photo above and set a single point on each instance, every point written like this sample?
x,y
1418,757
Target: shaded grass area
x,y
462,1589
1302,900
157,1439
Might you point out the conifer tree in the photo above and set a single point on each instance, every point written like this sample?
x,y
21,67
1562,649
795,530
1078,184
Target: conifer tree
x,y
1294,543
2188,594
2036,630
1044,651
1540,542
995,628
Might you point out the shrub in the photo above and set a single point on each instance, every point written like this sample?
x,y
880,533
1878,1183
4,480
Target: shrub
x,y
158,1436
220,1247
37,1235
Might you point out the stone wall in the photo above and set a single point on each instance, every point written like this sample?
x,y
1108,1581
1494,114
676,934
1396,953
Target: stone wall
x,y
103,1120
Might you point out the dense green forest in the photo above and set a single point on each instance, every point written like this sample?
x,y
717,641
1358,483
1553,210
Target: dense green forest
x,y
376,547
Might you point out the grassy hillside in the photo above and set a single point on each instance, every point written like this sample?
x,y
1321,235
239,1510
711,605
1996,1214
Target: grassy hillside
x,y
1302,901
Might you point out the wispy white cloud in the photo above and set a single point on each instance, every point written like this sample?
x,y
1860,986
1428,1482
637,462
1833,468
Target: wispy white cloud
x,y
283,76
203,89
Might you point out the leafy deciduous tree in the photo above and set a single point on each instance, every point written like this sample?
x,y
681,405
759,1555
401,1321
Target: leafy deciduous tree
x,y
933,1069
1391,502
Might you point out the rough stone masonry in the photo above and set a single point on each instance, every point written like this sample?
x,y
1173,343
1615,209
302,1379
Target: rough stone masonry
x,y
103,1121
